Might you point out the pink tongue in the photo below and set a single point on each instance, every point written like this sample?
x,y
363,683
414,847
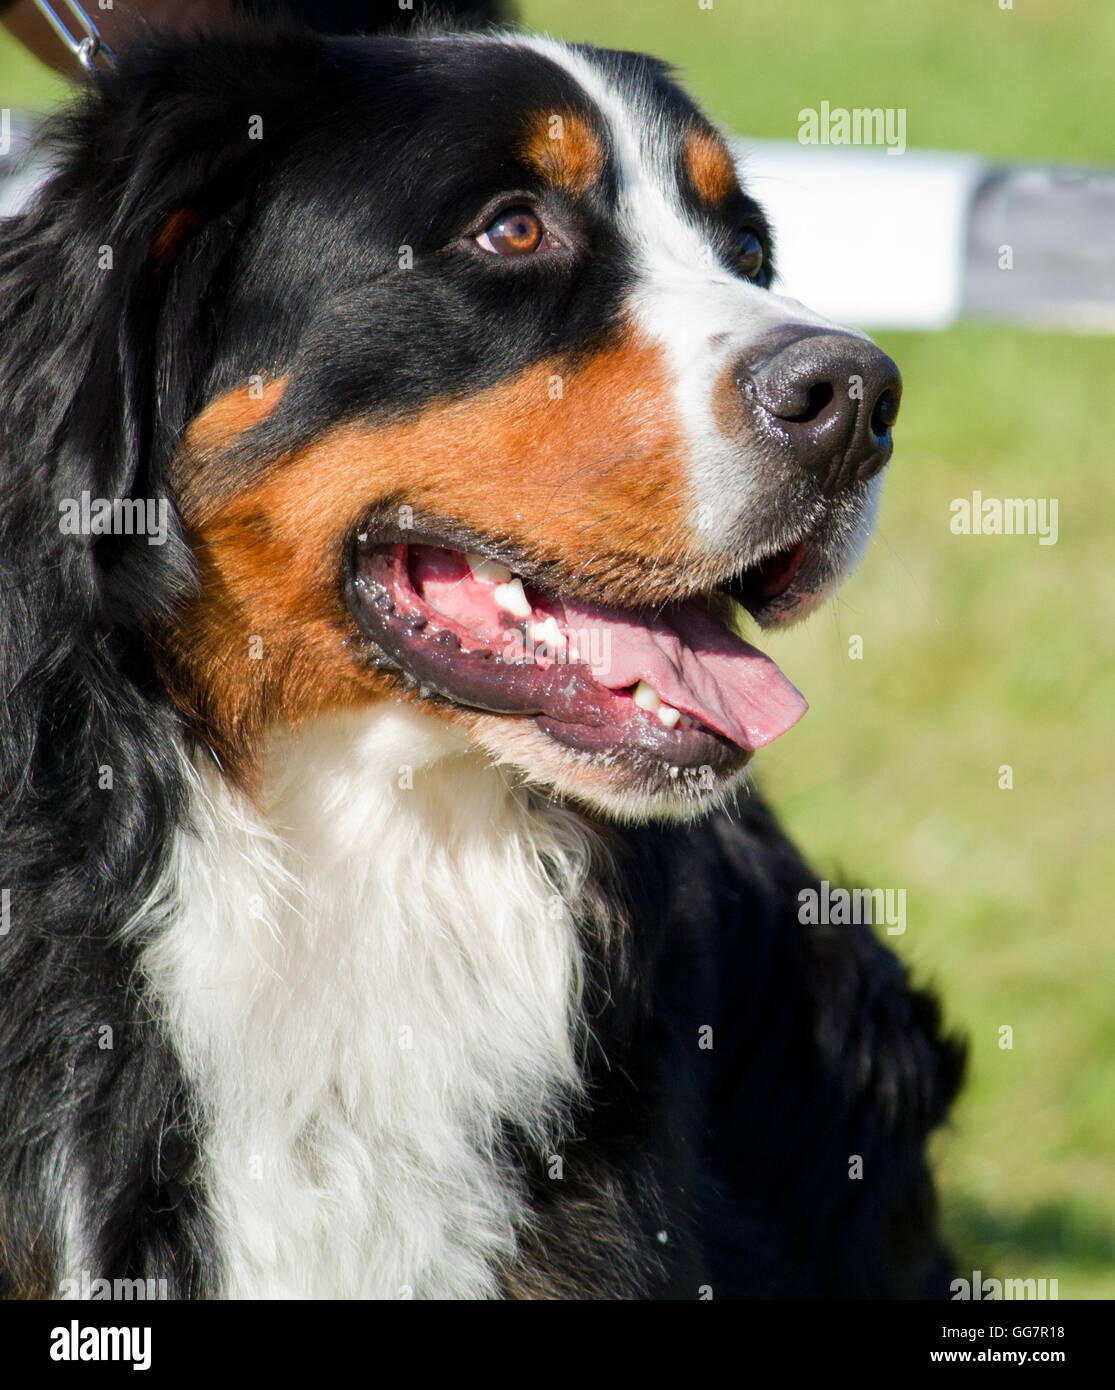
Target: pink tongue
x,y
694,663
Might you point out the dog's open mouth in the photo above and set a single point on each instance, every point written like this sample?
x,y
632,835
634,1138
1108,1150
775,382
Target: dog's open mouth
x,y
674,682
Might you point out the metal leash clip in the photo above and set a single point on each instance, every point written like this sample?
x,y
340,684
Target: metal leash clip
x,y
86,50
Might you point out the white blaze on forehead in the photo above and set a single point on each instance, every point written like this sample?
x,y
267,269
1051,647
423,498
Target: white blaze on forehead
x,y
683,297
644,155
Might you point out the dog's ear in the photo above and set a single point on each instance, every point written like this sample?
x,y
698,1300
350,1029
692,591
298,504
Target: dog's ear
x,y
109,281
110,286
110,299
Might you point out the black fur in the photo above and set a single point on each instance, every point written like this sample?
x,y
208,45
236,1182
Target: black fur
x,y
739,1154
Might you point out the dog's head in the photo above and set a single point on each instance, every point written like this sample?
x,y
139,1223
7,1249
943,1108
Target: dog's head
x,y
459,359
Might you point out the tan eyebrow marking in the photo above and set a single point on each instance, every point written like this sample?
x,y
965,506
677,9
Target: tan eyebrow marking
x,y
563,149
711,167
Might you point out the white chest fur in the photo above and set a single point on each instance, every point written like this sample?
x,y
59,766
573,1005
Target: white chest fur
x,y
361,979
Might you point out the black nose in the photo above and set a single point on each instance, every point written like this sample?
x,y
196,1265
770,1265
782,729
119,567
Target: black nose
x,y
834,398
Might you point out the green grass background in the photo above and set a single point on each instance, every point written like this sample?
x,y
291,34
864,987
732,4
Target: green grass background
x,y
978,652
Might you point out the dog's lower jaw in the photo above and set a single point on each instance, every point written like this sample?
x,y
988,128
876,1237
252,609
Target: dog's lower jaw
x,y
615,787
366,975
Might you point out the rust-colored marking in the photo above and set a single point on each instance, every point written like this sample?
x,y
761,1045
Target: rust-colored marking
x,y
172,233
710,166
562,148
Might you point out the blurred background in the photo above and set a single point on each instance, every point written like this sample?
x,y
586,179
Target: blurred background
x,y
979,653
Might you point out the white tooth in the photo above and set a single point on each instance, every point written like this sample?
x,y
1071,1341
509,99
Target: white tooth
x,y
547,634
668,715
646,697
488,571
513,597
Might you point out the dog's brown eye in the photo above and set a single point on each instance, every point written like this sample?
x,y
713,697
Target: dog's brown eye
x,y
515,233
749,254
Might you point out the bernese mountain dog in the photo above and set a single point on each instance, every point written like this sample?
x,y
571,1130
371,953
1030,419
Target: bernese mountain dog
x,y
395,431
